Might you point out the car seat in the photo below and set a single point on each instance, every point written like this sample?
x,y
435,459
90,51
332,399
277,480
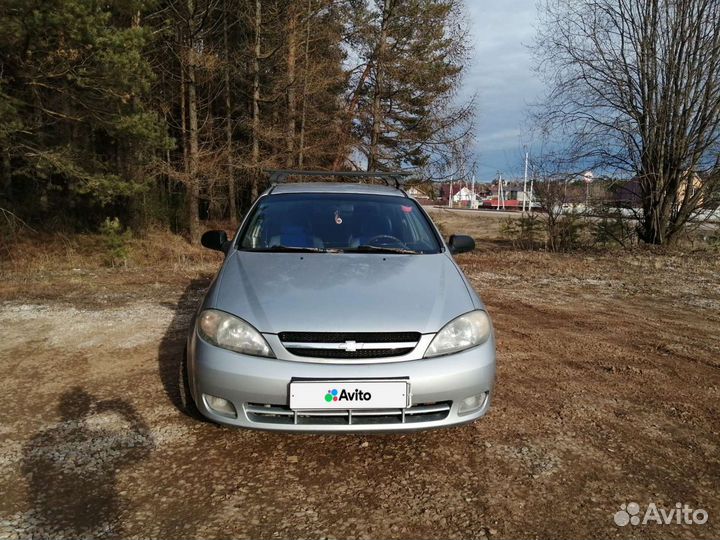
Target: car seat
x,y
293,231
371,224
295,236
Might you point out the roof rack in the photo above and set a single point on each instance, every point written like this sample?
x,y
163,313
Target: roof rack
x,y
279,176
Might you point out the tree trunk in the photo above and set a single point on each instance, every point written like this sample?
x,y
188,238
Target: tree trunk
x,y
291,105
193,188
232,197
255,155
138,206
6,174
377,119
303,114
345,130
183,118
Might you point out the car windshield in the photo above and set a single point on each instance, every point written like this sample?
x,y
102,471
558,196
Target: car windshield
x,y
338,222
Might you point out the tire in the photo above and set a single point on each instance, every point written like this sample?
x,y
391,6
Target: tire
x,y
187,403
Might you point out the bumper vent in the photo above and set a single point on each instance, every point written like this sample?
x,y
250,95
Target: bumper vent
x,y
349,345
276,414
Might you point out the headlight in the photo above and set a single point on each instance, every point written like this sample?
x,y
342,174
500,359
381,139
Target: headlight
x,y
469,330
229,332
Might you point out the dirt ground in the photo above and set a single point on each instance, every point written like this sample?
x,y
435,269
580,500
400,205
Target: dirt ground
x,y
608,392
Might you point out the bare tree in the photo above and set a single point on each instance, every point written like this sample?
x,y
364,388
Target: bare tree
x,y
380,56
292,31
193,61
193,194
232,195
636,87
551,195
257,56
303,114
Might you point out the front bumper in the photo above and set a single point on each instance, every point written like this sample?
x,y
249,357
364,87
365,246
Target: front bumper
x,y
258,389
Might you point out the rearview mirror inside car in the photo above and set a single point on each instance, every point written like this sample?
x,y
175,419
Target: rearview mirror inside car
x,y
216,240
460,243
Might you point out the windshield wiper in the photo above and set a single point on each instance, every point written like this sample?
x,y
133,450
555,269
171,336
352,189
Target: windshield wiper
x,y
294,249
379,249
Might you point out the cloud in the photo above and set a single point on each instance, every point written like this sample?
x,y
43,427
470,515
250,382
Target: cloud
x,y
501,75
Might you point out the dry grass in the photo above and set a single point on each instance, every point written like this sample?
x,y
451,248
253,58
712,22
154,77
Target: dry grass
x,y
56,252
486,228
482,226
82,266
51,265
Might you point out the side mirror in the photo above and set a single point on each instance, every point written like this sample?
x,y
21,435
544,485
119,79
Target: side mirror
x,y
216,240
459,243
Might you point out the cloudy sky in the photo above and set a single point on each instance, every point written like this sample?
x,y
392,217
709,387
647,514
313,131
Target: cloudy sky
x,y
501,75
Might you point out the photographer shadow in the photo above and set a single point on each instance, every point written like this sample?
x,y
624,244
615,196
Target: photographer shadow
x,y
71,467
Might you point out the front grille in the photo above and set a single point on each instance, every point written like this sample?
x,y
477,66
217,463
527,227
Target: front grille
x,y
349,345
341,337
334,353
277,414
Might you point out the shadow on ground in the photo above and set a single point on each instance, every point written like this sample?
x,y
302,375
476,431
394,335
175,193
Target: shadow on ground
x,y
71,467
172,345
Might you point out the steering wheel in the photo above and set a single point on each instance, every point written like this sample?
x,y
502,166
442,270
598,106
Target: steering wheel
x,y
395,240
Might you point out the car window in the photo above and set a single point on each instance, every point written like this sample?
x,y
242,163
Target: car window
x,y
345,222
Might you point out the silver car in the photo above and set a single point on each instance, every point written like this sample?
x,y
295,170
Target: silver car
x,y
339,308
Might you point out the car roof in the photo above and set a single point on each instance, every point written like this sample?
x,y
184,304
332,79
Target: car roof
x,y
335,187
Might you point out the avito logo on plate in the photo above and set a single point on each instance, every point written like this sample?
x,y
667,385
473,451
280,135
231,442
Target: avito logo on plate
x,y
344,395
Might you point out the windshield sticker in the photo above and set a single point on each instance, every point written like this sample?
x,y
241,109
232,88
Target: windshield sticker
x,y
338,219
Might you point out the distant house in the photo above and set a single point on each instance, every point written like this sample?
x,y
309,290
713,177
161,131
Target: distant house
x,y
628,194
461,193
462,197
419,194
445,189
695,184
512,194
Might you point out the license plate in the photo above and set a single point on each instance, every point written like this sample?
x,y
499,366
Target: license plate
x,y
355,394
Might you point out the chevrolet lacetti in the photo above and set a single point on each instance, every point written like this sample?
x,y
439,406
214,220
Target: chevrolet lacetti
x,y
339,308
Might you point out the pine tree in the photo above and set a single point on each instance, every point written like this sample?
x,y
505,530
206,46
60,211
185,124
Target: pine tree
x,y
75,129
402,105
188,101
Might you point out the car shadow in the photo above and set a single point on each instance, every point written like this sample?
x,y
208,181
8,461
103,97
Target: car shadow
x,y
172,344
71,467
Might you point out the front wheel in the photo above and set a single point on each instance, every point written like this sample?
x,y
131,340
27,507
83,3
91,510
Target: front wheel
x,y
187,402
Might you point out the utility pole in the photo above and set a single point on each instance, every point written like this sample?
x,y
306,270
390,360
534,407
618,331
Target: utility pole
x,y
588,181
502,186
472,197
451,193
530,201
525,182
588,178
501,192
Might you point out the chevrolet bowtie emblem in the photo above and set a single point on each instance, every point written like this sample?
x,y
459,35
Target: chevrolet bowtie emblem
x,y
351,346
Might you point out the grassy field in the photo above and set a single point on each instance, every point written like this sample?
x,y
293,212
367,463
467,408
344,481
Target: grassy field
x,y
483,227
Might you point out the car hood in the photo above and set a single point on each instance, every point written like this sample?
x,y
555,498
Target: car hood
x,y
324,292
